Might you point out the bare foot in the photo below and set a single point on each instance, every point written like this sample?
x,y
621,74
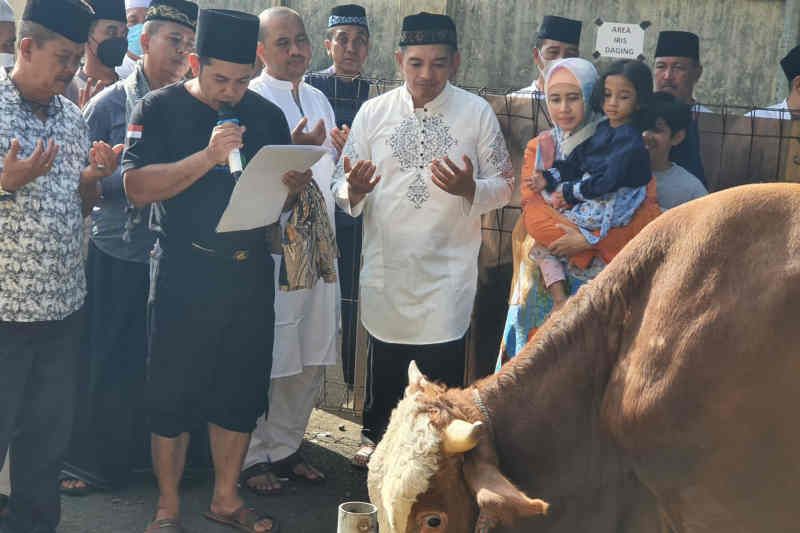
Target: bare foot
x,y
265,484
307,471
74,487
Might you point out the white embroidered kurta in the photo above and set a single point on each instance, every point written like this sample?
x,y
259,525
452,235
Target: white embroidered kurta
x,y
420,247
306,321
778,112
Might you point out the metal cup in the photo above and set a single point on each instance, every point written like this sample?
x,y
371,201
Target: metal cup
x,y
357,517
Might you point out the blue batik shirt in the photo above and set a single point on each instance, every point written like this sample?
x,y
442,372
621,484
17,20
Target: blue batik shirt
x,y
41,228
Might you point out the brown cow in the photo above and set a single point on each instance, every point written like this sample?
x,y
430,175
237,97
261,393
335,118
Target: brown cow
x,y
662,397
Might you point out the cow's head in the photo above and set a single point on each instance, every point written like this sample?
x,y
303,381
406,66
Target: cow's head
x,y
435,472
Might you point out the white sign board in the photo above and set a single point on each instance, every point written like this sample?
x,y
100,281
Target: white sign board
x,y
622,41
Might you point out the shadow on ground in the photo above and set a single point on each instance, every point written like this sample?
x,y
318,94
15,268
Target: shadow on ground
x,y
330,442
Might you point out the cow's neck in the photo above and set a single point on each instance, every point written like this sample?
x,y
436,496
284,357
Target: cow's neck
x,y
546,409
559,380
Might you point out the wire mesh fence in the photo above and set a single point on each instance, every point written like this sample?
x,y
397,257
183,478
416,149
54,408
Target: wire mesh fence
x,y
736,149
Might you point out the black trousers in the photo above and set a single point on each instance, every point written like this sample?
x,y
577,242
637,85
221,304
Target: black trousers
x,y
212,329
110,436
348,236
387,376
38,363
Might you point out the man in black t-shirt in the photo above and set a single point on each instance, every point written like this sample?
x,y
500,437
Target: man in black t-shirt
x,y
212,309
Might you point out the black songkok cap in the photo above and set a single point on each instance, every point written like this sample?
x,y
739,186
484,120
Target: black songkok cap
x,y
348,15
561,29
791,64
109,10
68,18
678,44
428,28
227,35
177,11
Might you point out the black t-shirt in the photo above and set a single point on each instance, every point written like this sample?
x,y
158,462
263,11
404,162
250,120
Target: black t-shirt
x,y
169,125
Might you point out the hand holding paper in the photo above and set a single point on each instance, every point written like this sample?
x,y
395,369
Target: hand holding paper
x,y
259,195
296,181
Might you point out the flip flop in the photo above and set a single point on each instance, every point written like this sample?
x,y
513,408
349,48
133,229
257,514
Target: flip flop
x,y
243,519
164,525
259,469
285,468
364,452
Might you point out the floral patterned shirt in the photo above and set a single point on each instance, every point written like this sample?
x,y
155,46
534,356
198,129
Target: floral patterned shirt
x,y
41,264
420,247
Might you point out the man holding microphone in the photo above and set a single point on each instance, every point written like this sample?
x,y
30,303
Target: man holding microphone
x,y
211,337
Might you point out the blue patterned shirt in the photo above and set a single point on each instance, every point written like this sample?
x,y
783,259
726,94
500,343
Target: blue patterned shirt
x,y
41,229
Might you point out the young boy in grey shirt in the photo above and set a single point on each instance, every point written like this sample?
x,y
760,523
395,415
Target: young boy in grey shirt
x,y
667,123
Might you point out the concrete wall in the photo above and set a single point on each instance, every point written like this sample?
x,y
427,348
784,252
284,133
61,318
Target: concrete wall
x,y
742,40
739,39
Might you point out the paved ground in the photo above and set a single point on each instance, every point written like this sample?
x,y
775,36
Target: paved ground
x,y
331,441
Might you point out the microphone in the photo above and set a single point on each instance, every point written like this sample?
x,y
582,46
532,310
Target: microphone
x,y
227,115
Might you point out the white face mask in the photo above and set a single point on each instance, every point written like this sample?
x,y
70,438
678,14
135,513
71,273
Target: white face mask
x,y
6,60
546,64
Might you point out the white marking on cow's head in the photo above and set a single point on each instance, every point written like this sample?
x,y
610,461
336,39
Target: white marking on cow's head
x,y
404,462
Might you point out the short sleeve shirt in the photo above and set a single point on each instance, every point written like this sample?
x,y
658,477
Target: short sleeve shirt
x,y
676,186
169,125
41,230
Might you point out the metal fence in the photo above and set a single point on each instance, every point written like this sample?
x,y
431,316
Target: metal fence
x,y
736,150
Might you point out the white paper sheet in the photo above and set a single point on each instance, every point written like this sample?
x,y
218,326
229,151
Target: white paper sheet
x,y
260,194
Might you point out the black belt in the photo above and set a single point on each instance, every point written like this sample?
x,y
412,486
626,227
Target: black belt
x,y
236,255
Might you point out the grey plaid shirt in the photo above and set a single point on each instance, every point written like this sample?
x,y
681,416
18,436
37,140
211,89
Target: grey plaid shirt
x,y
41,265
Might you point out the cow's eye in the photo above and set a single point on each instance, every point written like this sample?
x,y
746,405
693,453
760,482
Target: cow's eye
x,y
433,521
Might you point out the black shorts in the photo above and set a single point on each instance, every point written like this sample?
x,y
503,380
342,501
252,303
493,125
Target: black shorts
x,y
211,341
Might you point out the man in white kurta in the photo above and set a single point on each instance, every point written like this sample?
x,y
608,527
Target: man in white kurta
x,y
306,320
442,162
783,110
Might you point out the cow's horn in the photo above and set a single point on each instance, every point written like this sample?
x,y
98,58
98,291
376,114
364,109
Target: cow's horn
x,y
461,436
415,377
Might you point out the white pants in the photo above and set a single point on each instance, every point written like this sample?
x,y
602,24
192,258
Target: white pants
x,y
291,400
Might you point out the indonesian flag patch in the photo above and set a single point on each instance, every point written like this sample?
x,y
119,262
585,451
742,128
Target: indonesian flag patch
x,y
135,131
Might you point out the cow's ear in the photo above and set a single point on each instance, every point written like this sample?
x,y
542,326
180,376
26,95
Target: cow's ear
x,y
499,501
416,381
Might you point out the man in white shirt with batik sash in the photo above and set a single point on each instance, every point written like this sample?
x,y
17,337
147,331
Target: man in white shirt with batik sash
x,y
306,320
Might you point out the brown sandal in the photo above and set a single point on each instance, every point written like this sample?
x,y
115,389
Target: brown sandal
x,y
362,457
243,519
